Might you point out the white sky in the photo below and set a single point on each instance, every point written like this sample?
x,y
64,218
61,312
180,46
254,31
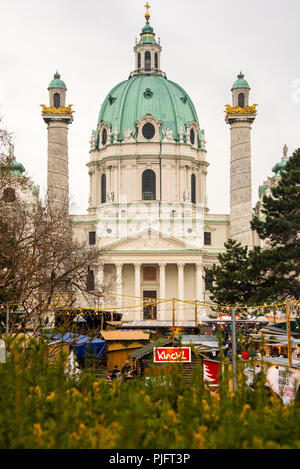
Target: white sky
x,y
205,45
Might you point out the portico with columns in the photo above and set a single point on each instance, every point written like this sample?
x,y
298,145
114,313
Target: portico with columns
x,y
158,280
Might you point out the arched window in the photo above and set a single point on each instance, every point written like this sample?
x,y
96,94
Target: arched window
x,y
147,60
156,60
103,189
104,136
139,60
193,188
56,100
148,185
192,136
241,100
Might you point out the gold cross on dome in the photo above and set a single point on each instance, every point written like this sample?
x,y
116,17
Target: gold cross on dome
x,y
147,14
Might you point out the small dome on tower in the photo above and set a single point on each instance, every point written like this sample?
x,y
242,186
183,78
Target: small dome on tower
x,y
57,82
240,82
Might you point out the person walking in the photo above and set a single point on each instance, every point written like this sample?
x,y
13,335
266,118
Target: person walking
x,y
116,371
126,368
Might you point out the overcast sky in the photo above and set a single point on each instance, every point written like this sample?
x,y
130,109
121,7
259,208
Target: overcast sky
x,y
205,45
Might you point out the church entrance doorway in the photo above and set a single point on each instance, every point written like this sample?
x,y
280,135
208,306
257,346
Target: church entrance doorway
x,y
149,310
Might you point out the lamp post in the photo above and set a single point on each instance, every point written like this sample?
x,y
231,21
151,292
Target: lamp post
x,y
233,338
288,330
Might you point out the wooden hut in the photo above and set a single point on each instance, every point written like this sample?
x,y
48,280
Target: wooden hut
x,y
119,343
143,359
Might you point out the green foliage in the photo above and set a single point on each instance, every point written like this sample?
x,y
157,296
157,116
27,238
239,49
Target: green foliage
x,y
232,284
42,408
279,262
273,272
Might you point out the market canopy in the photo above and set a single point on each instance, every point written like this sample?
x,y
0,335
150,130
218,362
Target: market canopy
x,y
81,344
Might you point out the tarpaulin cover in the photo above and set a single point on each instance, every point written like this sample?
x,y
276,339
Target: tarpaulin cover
x,y
81,344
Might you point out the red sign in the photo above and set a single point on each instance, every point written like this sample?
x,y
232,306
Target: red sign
x,y
210,375
172,354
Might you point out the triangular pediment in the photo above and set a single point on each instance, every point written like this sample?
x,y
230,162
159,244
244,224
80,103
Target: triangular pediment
x,y
149,240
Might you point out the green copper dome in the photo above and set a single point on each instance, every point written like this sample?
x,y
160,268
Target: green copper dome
x,y
147,35
132,99
57,82
147,29
240,82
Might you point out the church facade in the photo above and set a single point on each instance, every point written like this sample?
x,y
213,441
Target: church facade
x,y
148,210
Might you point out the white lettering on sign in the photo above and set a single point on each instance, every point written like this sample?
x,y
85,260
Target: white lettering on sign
x,y
171,354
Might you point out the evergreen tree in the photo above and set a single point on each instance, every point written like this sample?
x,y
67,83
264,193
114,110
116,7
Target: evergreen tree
x,y
272,272
279,262
231,282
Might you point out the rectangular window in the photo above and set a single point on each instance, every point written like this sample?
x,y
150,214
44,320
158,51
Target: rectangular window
x,y
149,310
207,238
92,237
208,282
90,281
149,274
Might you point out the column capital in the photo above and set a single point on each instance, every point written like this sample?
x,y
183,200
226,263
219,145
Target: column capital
x,y
180,265
137,264
162,264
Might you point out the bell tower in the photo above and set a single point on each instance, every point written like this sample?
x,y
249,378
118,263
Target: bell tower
x,y
240,117
57,116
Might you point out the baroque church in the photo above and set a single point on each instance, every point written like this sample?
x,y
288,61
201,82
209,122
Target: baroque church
x,y
147,209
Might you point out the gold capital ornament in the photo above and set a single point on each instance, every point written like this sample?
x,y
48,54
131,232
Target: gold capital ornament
x,y
240,110
57,110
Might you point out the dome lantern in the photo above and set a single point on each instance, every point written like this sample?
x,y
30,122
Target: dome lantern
x,y
240,91
147,50
57,91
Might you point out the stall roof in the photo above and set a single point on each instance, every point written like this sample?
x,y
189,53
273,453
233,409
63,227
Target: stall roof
x,y
200,340
278,330
141,352
147,324
82,343
283,361
124,335
275,339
